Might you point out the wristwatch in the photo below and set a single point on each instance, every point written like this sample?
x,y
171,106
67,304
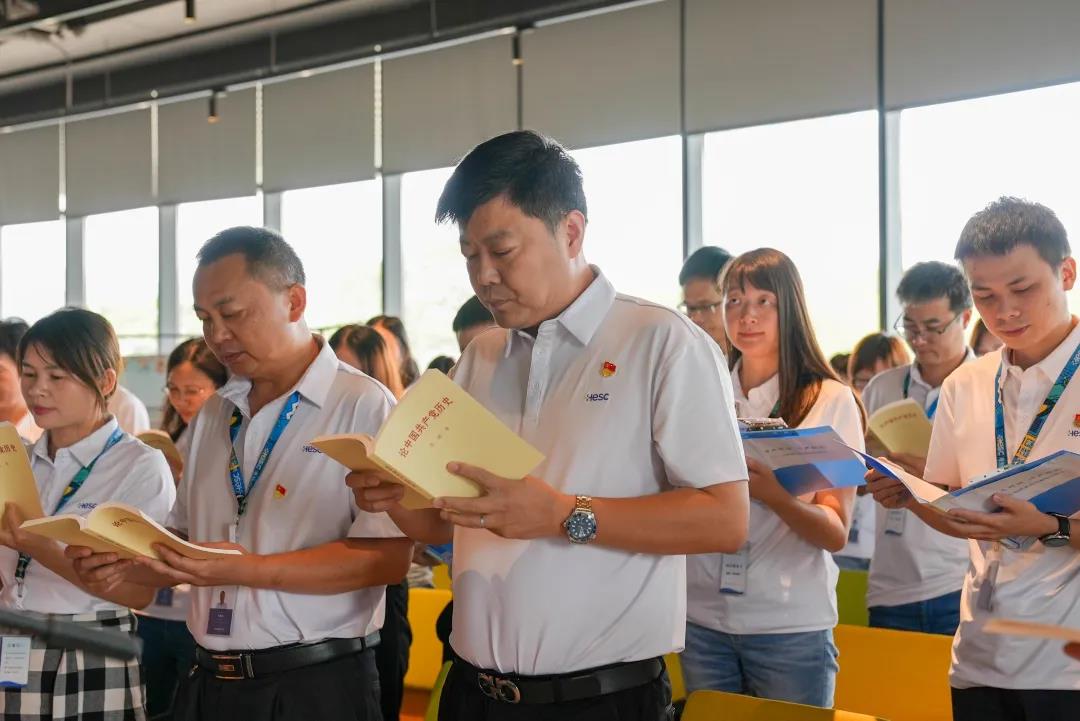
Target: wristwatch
x,y
580,525
1060,537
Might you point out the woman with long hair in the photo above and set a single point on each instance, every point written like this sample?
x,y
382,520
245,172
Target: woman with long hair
x,y
366,349
410,371
760,621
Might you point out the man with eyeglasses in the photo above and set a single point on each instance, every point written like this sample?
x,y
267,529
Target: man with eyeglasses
x,y
916,572
702,301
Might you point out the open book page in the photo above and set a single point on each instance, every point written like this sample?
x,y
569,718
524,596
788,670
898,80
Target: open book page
x,y
922,491
902,427
805,459
1010,627
71,529
160,440
1052,484
17,483
354,451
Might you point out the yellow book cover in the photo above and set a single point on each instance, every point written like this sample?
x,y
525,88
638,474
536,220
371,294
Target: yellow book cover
x,y
161,441
121,529
435,423
902,427
17,483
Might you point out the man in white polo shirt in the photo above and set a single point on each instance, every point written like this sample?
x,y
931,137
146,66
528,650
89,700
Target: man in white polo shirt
x,y
569,586
916,572
1021,403
285,630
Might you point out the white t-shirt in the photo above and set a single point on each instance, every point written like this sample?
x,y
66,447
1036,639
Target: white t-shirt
x,y
301,501
790,584
130,412
27,429
660,416
1040,584
918,563
129,472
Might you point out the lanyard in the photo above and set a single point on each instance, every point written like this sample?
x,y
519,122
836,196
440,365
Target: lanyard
x,y
1045,410
933,406
72,488
236,475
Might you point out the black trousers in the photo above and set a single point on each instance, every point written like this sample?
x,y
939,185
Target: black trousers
x,y
392,653
462,700
1000,704
345,689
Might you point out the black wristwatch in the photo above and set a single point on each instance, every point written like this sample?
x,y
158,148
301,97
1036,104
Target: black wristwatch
x,y
1060,537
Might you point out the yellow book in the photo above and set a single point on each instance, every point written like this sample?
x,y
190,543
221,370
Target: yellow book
x,y
902,427
435,423
160,440
17,483
121,529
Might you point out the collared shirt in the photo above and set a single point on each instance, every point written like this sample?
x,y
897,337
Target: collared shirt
x,y
129,472
130,412
919,563
1039,584
626,399
790,583
300,502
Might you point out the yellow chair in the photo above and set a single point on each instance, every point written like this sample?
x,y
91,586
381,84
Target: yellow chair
x,y
719,706
425,654
851,597
674,669
901,675
442,577
432,713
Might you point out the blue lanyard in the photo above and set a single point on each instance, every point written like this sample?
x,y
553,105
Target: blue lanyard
x,y
236,475
72,488
1045,410
933,406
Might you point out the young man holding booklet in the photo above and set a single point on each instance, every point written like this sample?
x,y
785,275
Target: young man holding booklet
x,y
570,584
1017,405
284,631
916,573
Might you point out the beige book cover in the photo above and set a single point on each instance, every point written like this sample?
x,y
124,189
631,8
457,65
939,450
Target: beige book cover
x,y
435,423
17,483
902,427
121,529
161,441
1011,627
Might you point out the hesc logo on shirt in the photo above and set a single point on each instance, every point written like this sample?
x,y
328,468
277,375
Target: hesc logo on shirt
x,y
87,506
311,449
597,397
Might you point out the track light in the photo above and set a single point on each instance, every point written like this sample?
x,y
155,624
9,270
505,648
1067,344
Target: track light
x,y
189,11
212,115
516,44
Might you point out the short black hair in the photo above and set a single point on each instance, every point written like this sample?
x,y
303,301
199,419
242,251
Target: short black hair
x,y
705,263
442,363
1009,222
269,258
924,282
472,313
535,173
11,332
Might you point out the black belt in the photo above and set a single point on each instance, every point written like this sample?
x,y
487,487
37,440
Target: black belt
x,y
237,665
576,686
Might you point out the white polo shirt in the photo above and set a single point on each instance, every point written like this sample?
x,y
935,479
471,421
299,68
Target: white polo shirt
x,y
129,472
790,583
301,501
662,419
1040,584
130,412
919,563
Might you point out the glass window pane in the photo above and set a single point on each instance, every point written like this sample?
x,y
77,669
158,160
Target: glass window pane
x,y
955,158
121,270
435,280
33,269
196,223
634,192
809,189
337,232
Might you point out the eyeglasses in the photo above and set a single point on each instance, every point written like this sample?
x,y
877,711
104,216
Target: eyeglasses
x,y
911,331
704,309
188,394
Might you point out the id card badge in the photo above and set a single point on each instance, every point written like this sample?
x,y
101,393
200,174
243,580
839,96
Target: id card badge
x,y
164,597
222,605
14,661
895,519
733,570
984,601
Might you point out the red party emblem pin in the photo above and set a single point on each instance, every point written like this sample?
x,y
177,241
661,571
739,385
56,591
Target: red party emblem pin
x,y
608,369
280,491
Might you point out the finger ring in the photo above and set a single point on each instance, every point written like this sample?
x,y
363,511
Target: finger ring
x,y
481,520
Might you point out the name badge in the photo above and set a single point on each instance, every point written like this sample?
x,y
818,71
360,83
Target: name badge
x,y
164,597
733,570
220,619
14,661
895,519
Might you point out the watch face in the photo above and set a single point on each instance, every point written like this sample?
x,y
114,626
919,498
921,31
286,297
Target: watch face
x,y
580,526
1055,541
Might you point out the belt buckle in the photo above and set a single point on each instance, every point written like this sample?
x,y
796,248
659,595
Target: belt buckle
x,y
498,689
230,666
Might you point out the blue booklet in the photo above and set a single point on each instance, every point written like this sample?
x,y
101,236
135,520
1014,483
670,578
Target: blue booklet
x,y
805,460
443,553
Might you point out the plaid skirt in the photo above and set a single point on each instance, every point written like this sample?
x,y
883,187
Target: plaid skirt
x,y
74,685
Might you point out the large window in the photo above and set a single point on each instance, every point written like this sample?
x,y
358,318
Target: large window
x,y
955,158
435,280
337,232
121,269
195,224
33,267
807,188
634,192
